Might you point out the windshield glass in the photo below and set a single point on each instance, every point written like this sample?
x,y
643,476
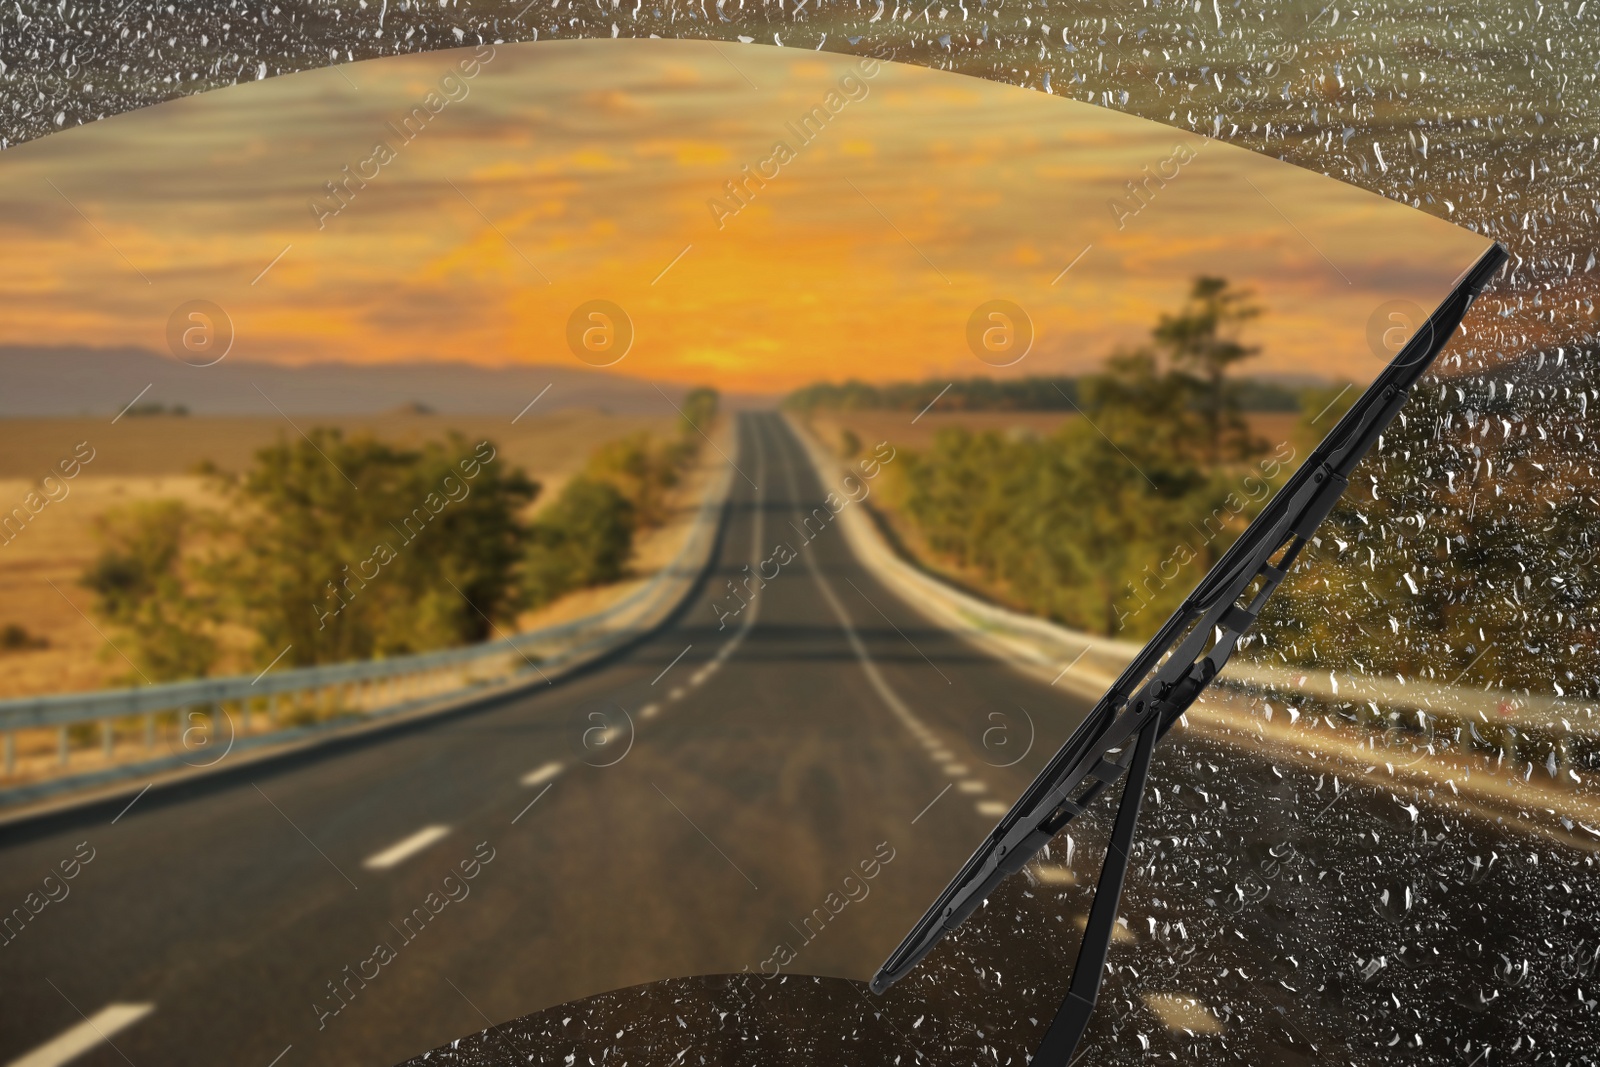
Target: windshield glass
x,y
651,506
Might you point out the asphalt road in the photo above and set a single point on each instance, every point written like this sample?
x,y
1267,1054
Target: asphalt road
x,y
713,800
693,802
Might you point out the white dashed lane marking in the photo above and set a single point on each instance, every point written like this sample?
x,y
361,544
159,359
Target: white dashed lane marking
x,y
403,850
541,775
95,1030
915,726
649,711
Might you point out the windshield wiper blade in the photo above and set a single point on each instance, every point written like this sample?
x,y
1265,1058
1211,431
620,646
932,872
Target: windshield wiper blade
x,y
1118,737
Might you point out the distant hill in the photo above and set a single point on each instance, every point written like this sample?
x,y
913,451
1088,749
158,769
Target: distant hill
x,y
45,381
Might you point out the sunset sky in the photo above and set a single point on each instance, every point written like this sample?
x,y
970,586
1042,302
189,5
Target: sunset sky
x,y
565,172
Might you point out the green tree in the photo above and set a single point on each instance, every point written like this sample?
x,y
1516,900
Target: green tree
x,y
1109,522
146,583
584,538
1143,410
422,555
699,407
1201,342
643,470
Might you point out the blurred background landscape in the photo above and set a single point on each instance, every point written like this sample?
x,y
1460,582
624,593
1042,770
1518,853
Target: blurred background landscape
x,y
153,537
1461,556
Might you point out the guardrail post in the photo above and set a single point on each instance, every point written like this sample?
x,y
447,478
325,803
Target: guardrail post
x,y
11,753
108,736
244,715
61,745
150,729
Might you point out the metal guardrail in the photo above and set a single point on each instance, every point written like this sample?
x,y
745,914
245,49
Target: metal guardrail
x,y
1094,663
356,690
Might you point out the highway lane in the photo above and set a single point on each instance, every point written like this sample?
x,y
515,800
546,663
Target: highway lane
x,y
770,755
1275,913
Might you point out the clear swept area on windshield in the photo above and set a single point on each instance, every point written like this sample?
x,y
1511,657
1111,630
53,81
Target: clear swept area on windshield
x,y
503,526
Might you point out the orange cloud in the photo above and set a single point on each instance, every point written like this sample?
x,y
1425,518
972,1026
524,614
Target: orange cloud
x,y
748,248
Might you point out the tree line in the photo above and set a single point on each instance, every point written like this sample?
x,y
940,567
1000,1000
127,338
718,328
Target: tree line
x,y
345,548
1105,524
1465,551
1052,393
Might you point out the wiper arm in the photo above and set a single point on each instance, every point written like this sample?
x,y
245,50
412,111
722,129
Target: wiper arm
x,y
1166,677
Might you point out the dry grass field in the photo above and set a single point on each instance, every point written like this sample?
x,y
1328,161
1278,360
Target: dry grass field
x,y
153,457
163,445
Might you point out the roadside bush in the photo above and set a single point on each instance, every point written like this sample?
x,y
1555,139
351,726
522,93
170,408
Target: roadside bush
x,y
149,586
17,638
1096,525
338,549
643,470
699,407
583,539
422,555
